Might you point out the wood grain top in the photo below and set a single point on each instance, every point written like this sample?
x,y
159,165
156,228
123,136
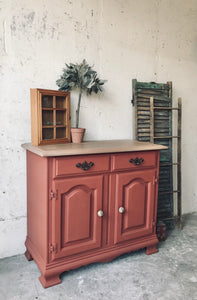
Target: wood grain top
x,y
92,147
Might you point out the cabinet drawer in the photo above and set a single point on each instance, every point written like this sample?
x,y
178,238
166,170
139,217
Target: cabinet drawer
x,y
134,160
81,164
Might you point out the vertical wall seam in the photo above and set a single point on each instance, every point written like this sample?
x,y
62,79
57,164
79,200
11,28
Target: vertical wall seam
x,y
157,40
4,37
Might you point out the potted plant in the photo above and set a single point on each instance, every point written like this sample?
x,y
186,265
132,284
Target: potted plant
x,y
85,79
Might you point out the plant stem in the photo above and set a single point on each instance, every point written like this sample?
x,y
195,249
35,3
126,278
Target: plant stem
x,y
78,109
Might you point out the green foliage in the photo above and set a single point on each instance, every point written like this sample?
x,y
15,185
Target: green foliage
x,y
80,76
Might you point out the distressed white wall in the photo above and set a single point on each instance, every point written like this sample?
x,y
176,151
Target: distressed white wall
x,y
153,40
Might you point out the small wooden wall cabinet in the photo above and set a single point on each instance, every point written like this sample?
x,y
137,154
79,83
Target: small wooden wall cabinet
x,y
50,117
89,202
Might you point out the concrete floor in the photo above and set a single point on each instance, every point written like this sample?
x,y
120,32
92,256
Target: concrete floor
x,y
169,274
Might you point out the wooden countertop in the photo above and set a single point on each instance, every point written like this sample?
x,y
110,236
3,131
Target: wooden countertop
x,y
92,147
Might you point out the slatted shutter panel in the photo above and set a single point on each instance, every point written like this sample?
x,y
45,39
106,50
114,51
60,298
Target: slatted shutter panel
x,y
157,129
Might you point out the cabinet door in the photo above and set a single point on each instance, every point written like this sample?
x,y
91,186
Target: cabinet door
x,y
76,226
134,204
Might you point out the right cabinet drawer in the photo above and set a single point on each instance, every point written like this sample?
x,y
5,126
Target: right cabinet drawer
x,y
134,160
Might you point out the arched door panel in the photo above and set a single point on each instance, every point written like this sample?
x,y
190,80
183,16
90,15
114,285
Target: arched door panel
x,y
135,195
75,222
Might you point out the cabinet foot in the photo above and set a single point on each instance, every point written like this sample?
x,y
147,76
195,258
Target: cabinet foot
x,y
28,255
50,281
151,250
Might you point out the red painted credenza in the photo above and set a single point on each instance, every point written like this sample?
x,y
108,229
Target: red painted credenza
x,y
89,202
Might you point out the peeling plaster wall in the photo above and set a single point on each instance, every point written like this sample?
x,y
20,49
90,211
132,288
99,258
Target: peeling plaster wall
x,y
153,40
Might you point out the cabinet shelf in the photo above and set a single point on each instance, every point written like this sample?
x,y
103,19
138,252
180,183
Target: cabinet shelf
x,y
50,117
53,108
54,126
47,126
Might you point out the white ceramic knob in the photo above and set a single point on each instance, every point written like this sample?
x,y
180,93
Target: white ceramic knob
x,y
100,213
121,210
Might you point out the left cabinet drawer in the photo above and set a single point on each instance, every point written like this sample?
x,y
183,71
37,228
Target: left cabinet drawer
x,y
82,164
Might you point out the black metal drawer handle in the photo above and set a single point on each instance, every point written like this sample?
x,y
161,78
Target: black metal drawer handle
x,y
137,161
85,165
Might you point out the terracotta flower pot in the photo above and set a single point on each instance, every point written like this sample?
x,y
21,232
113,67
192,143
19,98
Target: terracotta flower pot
x,y
77,134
